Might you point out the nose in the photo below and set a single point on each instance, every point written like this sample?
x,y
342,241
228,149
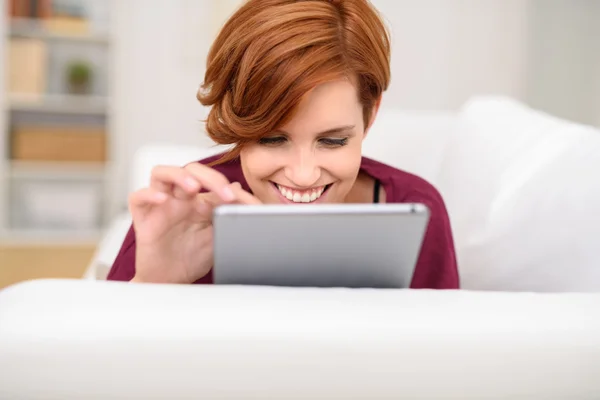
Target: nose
x,y
303,169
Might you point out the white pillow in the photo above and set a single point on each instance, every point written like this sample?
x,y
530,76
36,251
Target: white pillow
x,y
413,141
523,193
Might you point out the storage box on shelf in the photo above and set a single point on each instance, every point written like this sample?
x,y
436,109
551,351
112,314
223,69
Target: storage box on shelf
x,y
54,197
54,132
58,143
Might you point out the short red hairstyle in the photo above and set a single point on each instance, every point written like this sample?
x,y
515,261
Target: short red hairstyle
x,y
271,53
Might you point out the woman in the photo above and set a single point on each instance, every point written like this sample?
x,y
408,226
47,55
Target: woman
x,y
294,86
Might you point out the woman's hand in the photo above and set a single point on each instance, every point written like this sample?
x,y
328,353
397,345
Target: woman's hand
x,y
173,222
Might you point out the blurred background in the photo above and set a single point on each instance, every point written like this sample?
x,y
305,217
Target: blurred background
x,y
86,83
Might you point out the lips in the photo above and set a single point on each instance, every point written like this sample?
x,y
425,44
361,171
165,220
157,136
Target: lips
x,y
302,196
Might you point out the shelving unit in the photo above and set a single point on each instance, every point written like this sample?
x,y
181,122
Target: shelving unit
x,y
58,103
26,27
54,138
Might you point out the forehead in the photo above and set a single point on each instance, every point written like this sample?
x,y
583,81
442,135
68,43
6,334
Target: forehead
x,y
329,105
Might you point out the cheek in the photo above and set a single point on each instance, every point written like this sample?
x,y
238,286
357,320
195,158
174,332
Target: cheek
x,y
256,163
344,163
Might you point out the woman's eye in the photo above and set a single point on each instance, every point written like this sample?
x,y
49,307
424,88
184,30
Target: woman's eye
x,y
271,141
279,140
331,142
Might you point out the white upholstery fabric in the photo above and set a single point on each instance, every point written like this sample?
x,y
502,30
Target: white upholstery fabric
x,y
414,141
523,192
107,340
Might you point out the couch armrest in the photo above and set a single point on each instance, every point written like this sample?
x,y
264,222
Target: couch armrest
x,y
108,248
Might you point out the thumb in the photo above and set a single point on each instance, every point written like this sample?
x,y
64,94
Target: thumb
x,y
207,202
242,196
212,199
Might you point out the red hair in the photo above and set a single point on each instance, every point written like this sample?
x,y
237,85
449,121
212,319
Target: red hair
x,y
271,53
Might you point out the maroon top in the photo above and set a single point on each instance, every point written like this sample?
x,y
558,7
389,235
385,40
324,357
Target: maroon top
x,y
436,267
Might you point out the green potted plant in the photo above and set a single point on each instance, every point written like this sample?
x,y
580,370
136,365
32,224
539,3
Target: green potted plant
x,y
79,77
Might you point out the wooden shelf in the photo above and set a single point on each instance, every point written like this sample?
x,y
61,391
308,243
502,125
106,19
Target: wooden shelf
x,y
56,103
19,237
35,29
56,170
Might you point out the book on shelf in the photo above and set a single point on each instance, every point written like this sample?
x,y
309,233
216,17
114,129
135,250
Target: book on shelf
x,y
54,16
27,63
38,9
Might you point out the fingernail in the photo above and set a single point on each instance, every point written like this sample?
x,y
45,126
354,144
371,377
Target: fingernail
x,y
228,194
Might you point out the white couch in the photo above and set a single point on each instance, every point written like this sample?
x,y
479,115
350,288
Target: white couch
x,y
521,187
525,209
79,340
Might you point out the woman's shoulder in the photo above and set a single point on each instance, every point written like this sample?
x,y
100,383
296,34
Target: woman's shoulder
x,y
400,185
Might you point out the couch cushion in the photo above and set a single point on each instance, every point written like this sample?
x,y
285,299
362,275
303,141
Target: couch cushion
x,y
413,141
523,194
113,340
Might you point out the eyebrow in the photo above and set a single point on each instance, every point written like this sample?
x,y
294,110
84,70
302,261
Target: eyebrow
x,y
331,131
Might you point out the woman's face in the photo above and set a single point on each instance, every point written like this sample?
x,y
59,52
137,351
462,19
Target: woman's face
x,y
316,156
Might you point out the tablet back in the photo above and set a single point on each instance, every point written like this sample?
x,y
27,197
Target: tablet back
x,y
325,245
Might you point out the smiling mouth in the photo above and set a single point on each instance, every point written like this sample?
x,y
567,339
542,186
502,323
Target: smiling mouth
x,y
301,196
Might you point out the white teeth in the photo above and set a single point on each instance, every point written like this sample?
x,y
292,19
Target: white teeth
x,y
301,197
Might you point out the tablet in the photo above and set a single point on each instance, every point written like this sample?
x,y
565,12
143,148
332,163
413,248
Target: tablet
x,y
321,245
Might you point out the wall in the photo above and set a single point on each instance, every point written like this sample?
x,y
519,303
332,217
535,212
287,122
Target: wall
x,y
444,51
159,62
564,73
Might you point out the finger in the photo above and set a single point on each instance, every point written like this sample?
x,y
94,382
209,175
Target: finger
x,y
209,198
207,202
212,180
242,196
166,179
205,210
147,197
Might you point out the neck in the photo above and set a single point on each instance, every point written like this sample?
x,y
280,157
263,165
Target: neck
x,y
362,190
